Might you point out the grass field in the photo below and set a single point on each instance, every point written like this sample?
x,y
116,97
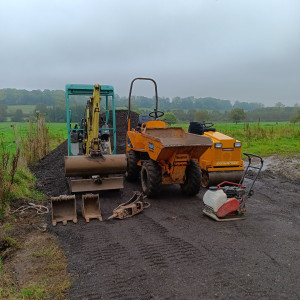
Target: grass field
x,y
16,180
265,138
58,133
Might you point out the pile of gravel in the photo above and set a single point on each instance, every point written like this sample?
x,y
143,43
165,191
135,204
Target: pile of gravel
x,y
121,126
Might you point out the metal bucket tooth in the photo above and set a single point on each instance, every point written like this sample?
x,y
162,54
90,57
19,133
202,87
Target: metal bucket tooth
x,y
91,207
63,209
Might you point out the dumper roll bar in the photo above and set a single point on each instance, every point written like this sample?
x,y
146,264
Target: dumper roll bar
x,y
129,98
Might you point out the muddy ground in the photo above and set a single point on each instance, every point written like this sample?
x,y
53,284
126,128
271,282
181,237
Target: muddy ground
x,y
173,251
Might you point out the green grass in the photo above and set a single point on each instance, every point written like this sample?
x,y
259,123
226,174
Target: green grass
x,y
32,292
22,181
24,186
265,138
58,132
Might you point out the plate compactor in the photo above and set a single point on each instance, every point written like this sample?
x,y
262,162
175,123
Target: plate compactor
x,y
161,154
90,155
226,201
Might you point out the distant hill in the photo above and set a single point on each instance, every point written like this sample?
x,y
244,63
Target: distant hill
x,y
57,97
24,97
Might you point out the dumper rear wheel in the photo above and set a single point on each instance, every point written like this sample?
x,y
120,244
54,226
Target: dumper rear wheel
x,y
132,172
192,183
151,178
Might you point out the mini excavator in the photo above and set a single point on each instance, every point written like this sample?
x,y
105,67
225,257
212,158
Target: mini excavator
x,y
90,156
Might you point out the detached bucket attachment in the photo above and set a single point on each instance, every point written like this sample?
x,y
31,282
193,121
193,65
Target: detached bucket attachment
x,y
91,207
130,208
63,209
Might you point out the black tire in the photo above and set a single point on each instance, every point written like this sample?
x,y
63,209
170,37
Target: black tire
x,y
151,178
192,183
133,170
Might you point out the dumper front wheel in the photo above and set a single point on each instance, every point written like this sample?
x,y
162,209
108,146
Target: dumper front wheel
x,y
132,172
192,183
150,178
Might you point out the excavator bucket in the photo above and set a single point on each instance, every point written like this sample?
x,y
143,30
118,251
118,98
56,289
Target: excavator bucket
x,y
63,209
91,207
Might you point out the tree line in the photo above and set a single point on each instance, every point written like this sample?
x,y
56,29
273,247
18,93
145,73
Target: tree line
x,y
58,114
57,97
51,104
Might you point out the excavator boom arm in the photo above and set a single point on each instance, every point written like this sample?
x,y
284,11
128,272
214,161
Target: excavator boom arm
x,y
92,119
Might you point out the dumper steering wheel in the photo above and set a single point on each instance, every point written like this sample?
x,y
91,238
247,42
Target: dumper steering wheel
x,y
208,124
156,114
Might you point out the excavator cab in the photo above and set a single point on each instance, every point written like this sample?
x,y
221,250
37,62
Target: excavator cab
x,y
76,93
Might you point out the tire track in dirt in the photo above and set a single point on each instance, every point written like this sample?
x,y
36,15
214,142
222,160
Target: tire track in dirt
x,y
172,251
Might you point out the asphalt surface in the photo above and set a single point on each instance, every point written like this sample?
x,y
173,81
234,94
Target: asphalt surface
x,y
173,251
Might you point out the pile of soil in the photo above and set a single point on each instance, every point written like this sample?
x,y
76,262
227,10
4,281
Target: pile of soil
x,y
50,172
173,251
121,127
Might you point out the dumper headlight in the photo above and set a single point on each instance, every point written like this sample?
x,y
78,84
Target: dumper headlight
x,y
218,145
238,145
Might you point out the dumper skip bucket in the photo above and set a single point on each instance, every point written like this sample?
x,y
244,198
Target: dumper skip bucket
x,y
63,209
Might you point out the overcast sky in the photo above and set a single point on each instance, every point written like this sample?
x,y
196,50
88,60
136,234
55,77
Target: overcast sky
x,y
246,50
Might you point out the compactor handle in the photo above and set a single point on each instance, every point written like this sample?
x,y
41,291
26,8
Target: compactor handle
x,y
129,97
252,166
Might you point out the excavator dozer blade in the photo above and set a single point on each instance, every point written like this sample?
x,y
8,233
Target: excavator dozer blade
x,y
63,209
90,185
91,207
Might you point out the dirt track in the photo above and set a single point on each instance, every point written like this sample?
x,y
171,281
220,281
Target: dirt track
x,y
173,251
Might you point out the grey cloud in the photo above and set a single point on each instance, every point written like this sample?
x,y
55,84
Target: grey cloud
x,y
238,50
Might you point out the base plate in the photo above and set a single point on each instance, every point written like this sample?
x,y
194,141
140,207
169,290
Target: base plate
x,y
212,215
